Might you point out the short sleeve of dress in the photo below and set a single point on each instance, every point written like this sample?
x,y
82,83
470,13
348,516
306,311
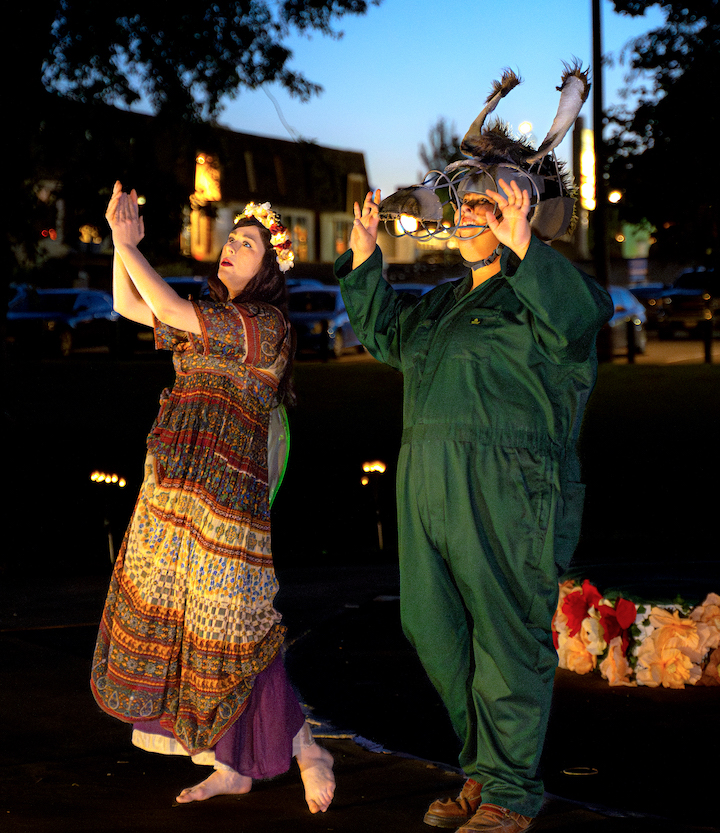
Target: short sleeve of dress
x,y
167,337
254,334
251,333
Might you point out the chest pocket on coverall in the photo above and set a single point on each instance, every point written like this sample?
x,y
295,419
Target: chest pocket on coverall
x,y
473,335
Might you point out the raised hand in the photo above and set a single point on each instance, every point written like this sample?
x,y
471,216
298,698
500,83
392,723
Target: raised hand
x,y
123,216
363,237
113,204
512,228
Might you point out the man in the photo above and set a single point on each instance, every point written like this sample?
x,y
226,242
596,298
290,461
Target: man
x,y
497,369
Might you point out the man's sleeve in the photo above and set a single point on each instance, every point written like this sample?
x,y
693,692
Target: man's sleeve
x,y
567,307
373,306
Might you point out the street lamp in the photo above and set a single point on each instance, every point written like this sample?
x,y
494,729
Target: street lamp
x,y
115,480
372,471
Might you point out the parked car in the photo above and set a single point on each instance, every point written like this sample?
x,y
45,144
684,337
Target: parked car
x,y
320,320
628,317
416,289
57,321
650,296
132,337
309,283
192,286
690,304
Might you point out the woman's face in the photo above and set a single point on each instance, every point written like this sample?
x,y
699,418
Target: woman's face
x,y
241,258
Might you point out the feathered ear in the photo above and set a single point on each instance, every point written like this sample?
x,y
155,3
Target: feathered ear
x,y
500,89
574,90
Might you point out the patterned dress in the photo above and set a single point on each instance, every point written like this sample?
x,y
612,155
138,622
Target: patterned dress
x,y
189,620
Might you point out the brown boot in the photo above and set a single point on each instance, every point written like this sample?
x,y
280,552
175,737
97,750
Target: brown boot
x,y
490,818
452,812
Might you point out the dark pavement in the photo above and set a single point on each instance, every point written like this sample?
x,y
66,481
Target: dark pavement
x,y
650,756
616,760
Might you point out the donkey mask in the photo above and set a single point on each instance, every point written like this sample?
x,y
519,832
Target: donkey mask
x,y
427,210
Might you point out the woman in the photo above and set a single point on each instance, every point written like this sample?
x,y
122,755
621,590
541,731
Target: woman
x,y
189,648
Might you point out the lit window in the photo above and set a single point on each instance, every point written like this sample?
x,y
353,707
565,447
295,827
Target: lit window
x,y
299,232
341,235
207,179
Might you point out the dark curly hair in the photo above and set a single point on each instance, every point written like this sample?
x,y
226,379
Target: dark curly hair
x,y
268,286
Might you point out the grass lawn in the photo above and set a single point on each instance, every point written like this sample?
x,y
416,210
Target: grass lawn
x,y
649,449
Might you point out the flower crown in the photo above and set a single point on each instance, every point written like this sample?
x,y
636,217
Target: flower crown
x,y
279,235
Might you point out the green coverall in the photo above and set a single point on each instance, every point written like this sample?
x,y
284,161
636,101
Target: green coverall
x,y
489,500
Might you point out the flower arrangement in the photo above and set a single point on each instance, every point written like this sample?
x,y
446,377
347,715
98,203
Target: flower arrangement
x,y
279,236
636,643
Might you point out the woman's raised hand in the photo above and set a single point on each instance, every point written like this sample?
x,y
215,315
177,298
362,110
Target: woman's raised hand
x,y
363,237
123,216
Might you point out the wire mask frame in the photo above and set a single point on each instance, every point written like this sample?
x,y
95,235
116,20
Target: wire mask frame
x,y
427,211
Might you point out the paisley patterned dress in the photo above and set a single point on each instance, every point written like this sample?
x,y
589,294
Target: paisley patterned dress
x,y
189,620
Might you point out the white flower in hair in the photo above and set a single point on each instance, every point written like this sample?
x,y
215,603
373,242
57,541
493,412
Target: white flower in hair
x,y
279,236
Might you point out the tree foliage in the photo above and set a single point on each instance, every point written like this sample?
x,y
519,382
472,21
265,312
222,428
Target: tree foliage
x,y
656,149
442,148
182,56
67,60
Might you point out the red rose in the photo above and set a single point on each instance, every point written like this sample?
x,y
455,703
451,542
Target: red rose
x,y
609,622
575,606
616,621
591,593
626,613
575,609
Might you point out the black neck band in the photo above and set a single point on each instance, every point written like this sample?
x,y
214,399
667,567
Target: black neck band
x,y
491,258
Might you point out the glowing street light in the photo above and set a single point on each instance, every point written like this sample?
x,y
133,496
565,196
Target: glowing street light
x,y
372,471
375,465
587,170
103,478
114,479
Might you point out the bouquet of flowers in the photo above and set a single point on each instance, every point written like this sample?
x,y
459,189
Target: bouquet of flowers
x,y
637,643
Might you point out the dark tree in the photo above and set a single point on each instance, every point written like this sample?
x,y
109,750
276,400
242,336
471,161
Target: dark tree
x,y
443,147
184,56
658,152
68,60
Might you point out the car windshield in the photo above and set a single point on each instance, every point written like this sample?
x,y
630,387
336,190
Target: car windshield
x,y
194,288
311,302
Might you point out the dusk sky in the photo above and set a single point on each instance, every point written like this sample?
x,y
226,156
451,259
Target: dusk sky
x,y
407,62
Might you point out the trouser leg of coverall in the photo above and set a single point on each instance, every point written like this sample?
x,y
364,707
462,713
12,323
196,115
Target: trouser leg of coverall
x,y
478,588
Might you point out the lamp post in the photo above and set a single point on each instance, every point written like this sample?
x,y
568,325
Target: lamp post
x,y
599,215
372,471
103,478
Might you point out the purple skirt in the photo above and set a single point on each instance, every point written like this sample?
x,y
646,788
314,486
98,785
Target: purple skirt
x,y
259,743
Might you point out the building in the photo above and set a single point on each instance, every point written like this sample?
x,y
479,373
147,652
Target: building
x,y
194,179
312,187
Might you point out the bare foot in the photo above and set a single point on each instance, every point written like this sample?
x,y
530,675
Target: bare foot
x,y
221,782
317,776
